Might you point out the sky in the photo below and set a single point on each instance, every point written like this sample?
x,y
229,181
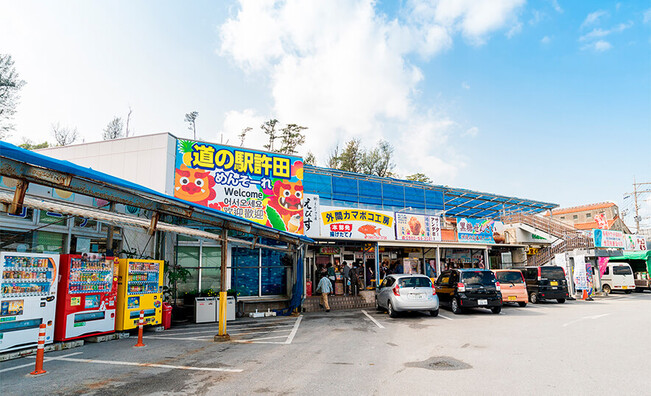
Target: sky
x,y
547,100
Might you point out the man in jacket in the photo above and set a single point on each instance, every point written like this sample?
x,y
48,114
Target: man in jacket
x,y
346,278
325,288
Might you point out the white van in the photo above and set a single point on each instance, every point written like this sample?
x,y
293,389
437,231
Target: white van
x,y
618,276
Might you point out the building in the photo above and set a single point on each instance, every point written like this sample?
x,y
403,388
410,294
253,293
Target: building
x,y
585,217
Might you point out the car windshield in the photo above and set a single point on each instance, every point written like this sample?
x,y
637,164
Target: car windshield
x,y
552,272
509,277
622,270
478,277
417,281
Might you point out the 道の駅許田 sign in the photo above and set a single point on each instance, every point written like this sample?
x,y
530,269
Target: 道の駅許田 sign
x,y
260,186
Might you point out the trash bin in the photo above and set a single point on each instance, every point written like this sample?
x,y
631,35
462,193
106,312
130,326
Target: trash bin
x,y
230,308
167,315
204,309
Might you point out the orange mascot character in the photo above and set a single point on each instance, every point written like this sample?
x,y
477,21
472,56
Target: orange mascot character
x,y
194,185
287,202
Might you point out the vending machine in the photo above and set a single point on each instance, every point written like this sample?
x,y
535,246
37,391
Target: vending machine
x,y
140,287
86,304
27,298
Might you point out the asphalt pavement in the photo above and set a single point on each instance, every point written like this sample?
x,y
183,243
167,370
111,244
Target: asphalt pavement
x,y
579,348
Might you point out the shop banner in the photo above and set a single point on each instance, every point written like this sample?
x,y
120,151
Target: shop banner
x,y
603,264
608,239
260,186
311,215
475,230
411,227
580,273
349,223
634,242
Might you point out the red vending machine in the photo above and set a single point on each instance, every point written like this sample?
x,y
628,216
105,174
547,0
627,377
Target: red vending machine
x,y
87,296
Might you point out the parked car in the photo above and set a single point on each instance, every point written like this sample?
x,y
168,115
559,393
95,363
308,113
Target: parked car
x,y
469,288
408,292
513,286
618,276
546,282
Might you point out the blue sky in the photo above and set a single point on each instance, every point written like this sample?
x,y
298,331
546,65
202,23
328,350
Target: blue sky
x,y
549,100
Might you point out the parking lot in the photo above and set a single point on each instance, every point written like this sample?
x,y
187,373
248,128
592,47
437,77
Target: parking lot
x,y
579,347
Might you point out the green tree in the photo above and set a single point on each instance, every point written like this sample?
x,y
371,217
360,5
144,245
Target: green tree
x,y
309,159
354,158
27,144
334,159
191,119
10,85
114,129
420,177
291,137
269,129
350,159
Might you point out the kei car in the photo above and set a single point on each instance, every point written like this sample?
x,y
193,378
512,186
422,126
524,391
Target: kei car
x,y
513,286
410,292
469,288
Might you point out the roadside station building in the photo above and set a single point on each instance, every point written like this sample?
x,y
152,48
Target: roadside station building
x,y
346,216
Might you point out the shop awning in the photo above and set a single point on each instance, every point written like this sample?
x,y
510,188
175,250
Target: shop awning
x,y
31,167
644,255
411,244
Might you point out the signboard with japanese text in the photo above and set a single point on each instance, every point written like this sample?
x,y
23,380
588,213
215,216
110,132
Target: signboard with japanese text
x,y
634,242
311,221
475,230
411,227
356,224
608,239
580,273
260,186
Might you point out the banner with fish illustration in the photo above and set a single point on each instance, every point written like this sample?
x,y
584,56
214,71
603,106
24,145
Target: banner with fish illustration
x,y
260,186
356,224
412,227
475,230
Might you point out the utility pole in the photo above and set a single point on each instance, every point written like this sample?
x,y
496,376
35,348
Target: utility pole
x,y
637,207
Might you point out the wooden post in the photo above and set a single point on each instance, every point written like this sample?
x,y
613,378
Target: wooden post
x,y
19,197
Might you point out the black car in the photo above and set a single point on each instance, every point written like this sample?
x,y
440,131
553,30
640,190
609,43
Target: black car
x,y
469,288
546,283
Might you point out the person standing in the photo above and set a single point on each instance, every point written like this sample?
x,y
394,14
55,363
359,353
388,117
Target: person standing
x,y
325,288
346,278
354,280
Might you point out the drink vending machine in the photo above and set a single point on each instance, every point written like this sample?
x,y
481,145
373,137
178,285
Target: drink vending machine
x,y
86,304
28,292
140,287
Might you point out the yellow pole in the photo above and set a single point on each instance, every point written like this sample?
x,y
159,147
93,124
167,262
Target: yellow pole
x,y
222,314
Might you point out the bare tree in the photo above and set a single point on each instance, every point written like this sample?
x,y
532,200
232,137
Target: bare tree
x,y
291,138
242,135
191,119
64,136
10,85
269,128
114,129
334,159
128,119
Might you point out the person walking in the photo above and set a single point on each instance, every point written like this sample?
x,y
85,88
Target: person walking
x,y
346,278
325,288
331,276
354,280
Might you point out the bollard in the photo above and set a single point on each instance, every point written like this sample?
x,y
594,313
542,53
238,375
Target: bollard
x,y
40,351
141,322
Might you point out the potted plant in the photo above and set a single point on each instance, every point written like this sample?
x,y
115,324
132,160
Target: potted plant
x,y
175,275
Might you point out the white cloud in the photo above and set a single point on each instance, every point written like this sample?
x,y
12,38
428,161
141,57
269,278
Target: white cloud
x,y
647,15
593,18
472,132
342,69
557,6
545,40
599,46
598,32
536,17
465,85
515,29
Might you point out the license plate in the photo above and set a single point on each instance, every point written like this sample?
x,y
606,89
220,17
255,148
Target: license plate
x,y
512,298
482,302
554,288
415,296
624,287
553,283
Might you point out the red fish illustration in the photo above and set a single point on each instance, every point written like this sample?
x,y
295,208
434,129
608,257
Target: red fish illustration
x,y
368,229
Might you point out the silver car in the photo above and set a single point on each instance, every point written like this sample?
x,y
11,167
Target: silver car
x,y
400,293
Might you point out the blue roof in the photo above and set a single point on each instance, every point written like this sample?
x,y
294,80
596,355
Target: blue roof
x,y
16,153
340,188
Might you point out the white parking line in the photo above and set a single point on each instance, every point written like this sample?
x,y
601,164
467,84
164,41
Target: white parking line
x,y
294,330
445,317
373,319
584,318
118,363
47,359
213,331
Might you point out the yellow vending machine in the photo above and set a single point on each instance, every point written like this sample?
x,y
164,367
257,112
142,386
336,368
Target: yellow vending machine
x,y
140,287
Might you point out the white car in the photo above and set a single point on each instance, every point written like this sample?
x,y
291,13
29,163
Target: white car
x,y
618,276
401,293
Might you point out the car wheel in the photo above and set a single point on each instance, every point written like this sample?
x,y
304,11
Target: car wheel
x,y
434,313
391,311
628,291
522,303
560,300
606,289
454,305
496,310
533,297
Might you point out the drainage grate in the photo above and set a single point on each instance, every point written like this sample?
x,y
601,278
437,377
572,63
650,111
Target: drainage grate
x,y
440,363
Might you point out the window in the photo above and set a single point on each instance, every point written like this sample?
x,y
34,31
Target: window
x,y
575,217
260,272
509,276
588,215
622,270
607,271
552,273
188,258
211,260
416,281
478,277
562,217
